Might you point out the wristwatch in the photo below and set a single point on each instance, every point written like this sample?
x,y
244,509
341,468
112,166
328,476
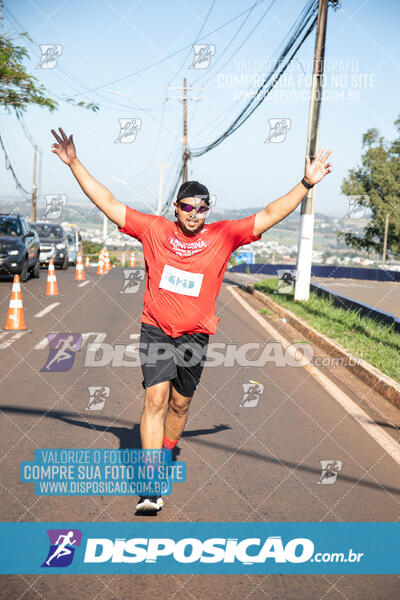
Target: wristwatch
x,y
307,185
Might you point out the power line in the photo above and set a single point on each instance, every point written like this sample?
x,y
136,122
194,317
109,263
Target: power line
x,y
302,29
72,78
196,40
252,7
166,57
233,38
26,195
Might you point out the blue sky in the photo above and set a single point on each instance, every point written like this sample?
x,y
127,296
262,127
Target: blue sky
x,y
103,41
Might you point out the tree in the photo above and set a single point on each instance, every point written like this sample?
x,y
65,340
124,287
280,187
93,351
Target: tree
x,y
376,185
18,89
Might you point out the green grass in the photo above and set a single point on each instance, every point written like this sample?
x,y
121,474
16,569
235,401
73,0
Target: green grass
x,y
364,338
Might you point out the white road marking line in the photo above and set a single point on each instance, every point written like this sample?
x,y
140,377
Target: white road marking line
x,y
46,310
83,283
42,344
12,339
99,339
362,418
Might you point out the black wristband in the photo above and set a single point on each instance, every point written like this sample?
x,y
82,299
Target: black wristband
x,y
307,185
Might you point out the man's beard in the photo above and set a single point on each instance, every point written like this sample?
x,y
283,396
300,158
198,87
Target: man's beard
x,y
189,230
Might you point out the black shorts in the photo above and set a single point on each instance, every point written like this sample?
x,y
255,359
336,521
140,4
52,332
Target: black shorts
x,y
164,358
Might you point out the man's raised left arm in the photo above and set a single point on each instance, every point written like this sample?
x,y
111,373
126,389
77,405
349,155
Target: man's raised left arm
x,y
277,210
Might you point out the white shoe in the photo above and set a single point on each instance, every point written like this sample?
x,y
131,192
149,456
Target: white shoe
x,y
150,503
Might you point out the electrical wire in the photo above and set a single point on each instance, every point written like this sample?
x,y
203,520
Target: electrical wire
x,y
195,41
166,57
25,194
302,29
233,38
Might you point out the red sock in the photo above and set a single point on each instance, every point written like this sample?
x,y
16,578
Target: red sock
x,y
169,444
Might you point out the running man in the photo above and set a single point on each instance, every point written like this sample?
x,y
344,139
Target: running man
x,y
62,549
185,263
62,347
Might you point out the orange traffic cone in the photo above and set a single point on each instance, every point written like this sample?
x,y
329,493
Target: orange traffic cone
x,y
79,272
87,262
132,261
100,265
15,317
52,287
107,261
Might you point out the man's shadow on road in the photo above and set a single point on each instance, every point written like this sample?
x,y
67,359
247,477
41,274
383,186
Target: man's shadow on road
x,y
128,437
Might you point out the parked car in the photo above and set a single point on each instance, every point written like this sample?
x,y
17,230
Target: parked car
x,y
53,244
19,247
74,241
72,254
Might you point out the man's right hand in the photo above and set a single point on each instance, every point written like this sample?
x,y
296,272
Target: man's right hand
x,y
65,148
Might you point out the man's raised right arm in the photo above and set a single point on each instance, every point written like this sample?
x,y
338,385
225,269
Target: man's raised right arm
x,y
95,191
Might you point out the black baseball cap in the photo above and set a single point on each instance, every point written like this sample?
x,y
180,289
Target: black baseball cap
x,y
193,189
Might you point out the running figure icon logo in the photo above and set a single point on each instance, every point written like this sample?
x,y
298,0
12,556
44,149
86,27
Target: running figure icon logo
x,y
128,130
62,351
50,54
97,397
286,281
358,205
132,280
61,551
278,129
54,205
202,55
329,471
251,394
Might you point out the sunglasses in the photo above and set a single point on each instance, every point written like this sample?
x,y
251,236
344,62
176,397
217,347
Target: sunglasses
x,y
200,210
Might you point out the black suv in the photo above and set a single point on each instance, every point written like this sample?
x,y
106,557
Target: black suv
x,y
53,244
19,247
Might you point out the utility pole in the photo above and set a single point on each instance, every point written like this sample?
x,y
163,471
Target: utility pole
x,y
304,257
185,140
104,230
385,236
160,187
34,187
184,98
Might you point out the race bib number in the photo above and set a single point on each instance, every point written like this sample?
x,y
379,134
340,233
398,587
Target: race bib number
x,y
181,282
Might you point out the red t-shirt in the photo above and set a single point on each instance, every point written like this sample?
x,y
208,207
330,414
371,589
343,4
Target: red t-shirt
x,y
184,273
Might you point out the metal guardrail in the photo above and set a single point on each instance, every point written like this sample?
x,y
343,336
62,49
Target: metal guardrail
x,y
365,310
338,300
323,271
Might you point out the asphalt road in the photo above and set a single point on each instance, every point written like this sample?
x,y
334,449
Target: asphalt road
x,y
243,464
384,295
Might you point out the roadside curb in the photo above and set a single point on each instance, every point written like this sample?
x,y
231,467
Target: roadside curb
x,y
385,385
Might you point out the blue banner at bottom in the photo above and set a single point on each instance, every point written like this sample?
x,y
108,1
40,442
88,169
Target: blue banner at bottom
x,y
199,548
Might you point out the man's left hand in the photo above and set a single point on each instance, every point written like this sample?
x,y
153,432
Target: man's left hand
x,y
318,168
